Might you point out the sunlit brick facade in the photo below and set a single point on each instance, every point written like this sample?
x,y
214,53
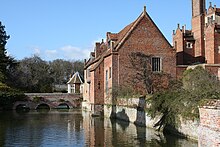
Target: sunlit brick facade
x,y
110,67
201,44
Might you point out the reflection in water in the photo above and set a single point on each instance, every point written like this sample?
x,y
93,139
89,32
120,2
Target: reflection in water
x,y
76,128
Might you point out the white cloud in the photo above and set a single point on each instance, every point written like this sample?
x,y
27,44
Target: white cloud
x,y
67,52
37,51
51,54
74,53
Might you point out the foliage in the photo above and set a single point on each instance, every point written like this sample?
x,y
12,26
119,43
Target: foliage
x,y
6,62
184,97
37,99
8,96
61,100
36,75
62,70
33,75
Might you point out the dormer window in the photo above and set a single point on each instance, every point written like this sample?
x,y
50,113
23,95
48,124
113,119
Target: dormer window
x,y
112,44
210,19
109,43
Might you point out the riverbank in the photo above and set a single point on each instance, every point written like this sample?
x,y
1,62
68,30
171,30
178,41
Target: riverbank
x,y
134,110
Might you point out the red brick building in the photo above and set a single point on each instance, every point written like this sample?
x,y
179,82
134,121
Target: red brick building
x,y
109,66
201,44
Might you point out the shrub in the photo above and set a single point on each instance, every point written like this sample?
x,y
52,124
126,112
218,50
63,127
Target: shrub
x,y
184,97
9,96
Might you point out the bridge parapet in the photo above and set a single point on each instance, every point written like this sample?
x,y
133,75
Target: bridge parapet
x,y
54,95
53,100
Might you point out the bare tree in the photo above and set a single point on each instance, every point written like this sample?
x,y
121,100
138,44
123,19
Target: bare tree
x,y
141,65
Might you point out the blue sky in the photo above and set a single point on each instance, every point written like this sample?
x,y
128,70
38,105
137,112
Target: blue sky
x,y
68,29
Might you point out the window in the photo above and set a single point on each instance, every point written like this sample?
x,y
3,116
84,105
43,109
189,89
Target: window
x,y
106,81
110,72
109,43
175,44
156,64
210,19
189,45
99,87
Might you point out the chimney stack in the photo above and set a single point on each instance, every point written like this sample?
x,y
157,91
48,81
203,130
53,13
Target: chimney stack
x,y
144,8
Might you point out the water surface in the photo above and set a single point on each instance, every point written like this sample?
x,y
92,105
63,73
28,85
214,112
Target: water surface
x,y
75,128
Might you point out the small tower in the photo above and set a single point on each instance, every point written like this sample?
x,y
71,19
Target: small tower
x,y
198,7
75,84
198,24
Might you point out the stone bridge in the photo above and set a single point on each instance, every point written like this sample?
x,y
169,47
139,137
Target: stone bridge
x,y
50,100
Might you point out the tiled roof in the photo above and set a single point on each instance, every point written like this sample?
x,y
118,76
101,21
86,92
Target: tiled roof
x,y
123,32
218,10
119,39
113,36
99,61
76,79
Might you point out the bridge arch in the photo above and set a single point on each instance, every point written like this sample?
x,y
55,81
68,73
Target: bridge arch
x,y
63,106
22,107
42,106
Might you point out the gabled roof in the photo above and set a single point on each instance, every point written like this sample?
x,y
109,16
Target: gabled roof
x,y
119,39
123,34
76,79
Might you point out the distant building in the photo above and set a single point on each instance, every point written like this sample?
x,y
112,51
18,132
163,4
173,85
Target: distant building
x,y
75,84
60,88
201,44
109,66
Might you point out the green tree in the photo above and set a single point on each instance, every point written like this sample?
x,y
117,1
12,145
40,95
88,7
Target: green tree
x,y
4,59
6,62
62,70
34,75
9,95
184,97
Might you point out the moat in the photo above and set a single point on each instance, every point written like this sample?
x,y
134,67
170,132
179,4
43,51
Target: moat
x,y
76,128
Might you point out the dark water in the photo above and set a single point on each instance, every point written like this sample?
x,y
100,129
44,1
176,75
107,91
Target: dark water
x,y
75,128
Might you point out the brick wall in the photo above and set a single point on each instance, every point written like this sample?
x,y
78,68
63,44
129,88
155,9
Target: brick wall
x,y
147,39
99,84
108,77
209,129
209,45
213,69
198,31
92,88
198,6
179,46
217,47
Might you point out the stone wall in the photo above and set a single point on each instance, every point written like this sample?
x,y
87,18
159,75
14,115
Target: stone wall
x,y
209,129
133,110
